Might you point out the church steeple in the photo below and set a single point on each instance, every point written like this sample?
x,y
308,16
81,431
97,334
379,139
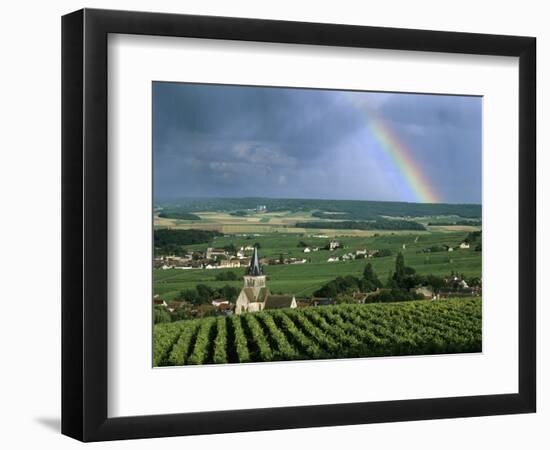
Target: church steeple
x,y
254,268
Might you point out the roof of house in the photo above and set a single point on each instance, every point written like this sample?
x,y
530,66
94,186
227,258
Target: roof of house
x,y
255,268
175,304
278,301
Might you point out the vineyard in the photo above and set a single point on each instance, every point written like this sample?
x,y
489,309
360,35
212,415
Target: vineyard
x,y
343,331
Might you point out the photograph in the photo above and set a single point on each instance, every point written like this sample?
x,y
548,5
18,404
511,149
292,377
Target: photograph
x,y
307,224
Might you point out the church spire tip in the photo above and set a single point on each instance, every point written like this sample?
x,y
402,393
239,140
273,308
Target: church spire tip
x,y
255,268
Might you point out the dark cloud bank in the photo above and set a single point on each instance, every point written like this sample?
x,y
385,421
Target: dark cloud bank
x,y
231,141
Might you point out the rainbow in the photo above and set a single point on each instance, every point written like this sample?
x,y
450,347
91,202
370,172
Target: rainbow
x,y
399,154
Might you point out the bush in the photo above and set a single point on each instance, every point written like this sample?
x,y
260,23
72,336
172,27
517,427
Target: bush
x,y
227,276
161,315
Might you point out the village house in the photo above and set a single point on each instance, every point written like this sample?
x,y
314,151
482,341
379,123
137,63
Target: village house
x,y
425,291
360,297
333,245
333,259
220,301
174,304
211,252
226,309
225,263
296,261
157,301
465,245
307,250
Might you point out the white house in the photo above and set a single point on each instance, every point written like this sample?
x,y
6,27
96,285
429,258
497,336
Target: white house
x,y
465,245
212,252
307,250
333,259
230,263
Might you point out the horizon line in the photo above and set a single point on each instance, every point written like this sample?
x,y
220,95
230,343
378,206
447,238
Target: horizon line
x,y
311,198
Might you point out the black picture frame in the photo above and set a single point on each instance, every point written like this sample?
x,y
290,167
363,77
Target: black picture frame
x,y
84,224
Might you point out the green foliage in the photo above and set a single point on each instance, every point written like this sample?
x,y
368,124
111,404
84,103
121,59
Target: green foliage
x,y
283,350
203,340
164,338
239,340
178,214
393,295
239,213
230,248
379,224
228,292
261,350
349,284
161,315
404,277
203,294
472,223
341,331
348,209
182,347
172,242
227,276
220,344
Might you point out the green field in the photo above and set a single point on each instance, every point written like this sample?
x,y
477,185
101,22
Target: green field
x,y
304,279
344,331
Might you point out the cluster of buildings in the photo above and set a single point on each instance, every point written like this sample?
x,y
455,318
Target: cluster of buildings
x,y
212,258
218,258
358,254
215,307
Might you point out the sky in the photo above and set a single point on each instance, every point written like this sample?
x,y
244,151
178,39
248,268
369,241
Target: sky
x,y
242,141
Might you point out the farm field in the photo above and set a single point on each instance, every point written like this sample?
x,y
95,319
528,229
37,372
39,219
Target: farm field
x,y
304,279
329,332
291,222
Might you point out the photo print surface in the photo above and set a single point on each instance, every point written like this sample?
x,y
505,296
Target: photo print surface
x,y
308,224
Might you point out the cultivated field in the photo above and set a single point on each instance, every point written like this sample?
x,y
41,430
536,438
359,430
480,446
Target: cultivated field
x,y
289,222
329,332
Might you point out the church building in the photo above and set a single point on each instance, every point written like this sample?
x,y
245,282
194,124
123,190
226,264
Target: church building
x,y
255,296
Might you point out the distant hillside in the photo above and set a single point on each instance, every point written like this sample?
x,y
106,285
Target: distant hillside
x,y
347,209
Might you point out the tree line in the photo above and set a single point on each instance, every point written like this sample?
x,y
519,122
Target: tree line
x,y
378,224
172,242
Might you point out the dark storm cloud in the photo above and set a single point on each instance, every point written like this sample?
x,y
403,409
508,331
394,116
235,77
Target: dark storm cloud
x,y
213,140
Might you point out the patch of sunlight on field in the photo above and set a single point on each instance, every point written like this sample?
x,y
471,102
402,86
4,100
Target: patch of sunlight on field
x,y
453,228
